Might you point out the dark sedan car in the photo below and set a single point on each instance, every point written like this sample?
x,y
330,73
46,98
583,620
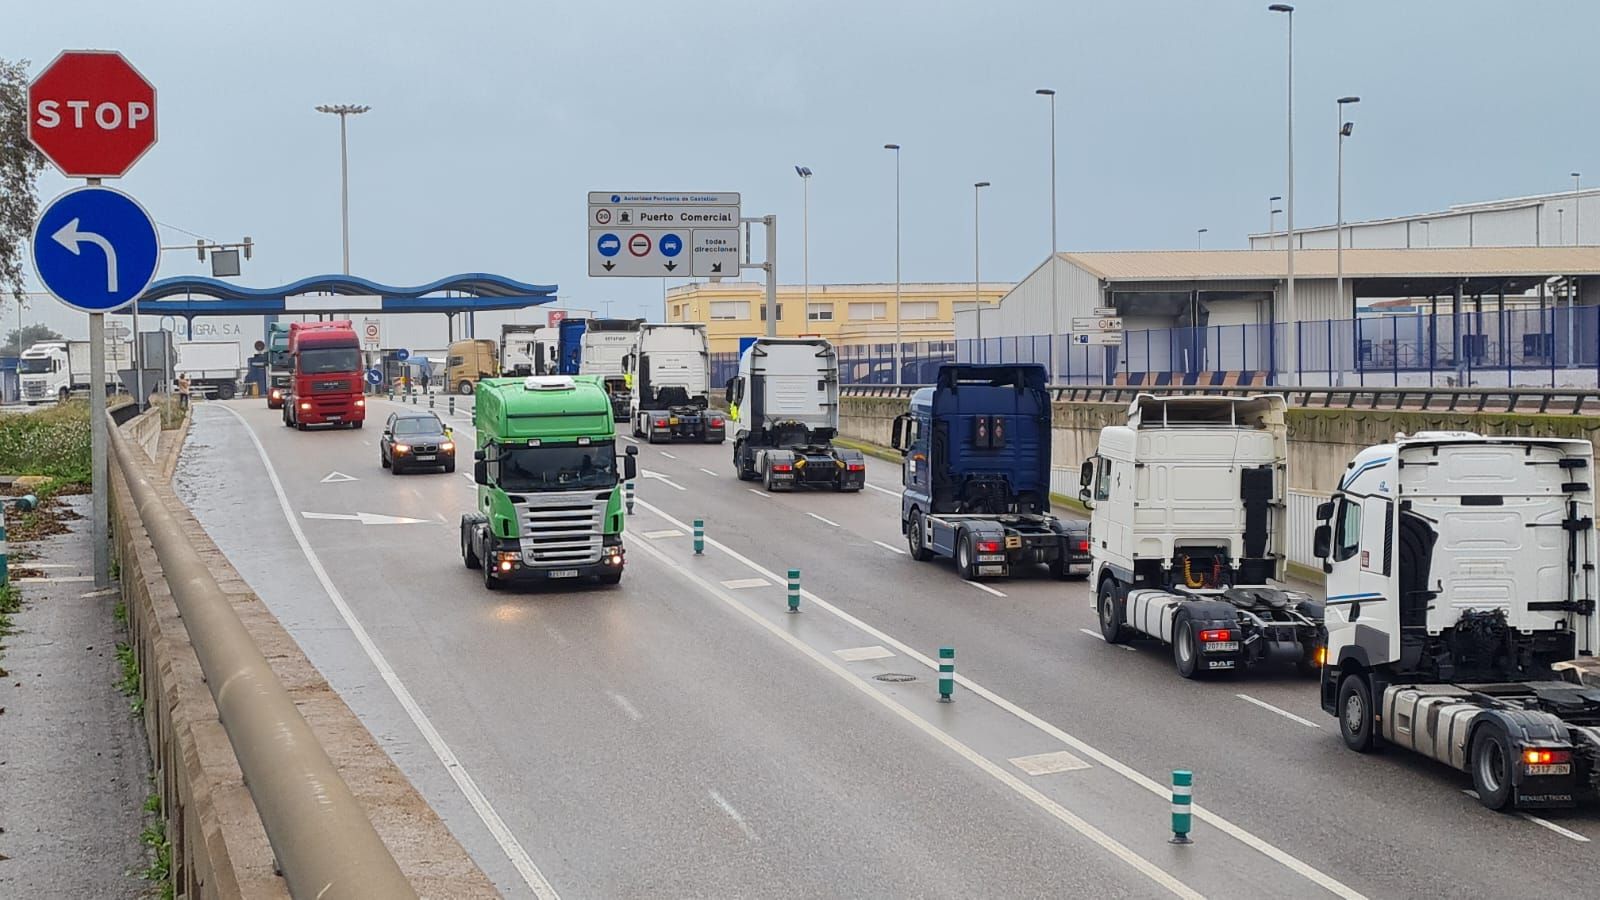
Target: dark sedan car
x,y
416,441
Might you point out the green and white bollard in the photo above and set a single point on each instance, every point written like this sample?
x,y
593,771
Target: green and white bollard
x,y
947,674
1182,787
452,409
627,494
430,400
699,537
794,590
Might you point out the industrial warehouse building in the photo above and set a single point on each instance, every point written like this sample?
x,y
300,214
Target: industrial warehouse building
x,y
1471,316
1571,218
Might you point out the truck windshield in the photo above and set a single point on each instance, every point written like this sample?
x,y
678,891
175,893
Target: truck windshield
x,y
558,466
33,366
329,359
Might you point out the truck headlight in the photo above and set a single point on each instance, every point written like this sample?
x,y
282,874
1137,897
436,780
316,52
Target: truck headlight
x,y
305,404
360,402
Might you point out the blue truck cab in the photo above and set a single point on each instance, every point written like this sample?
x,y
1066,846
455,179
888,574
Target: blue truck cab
x,y
977,474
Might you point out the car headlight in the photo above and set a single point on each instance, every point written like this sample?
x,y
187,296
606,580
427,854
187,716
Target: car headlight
x,y
402,448
448,447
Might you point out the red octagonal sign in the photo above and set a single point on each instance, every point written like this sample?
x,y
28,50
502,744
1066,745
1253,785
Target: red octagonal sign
x,y
92,114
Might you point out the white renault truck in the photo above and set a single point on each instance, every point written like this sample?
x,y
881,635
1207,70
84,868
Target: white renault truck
x,y
1189,536
784,406
1461,610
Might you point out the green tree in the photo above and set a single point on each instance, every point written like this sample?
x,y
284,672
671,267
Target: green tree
x,y
26,337
19,170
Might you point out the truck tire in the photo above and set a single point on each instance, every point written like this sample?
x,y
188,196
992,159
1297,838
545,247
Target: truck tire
x,y
1185,647
356,425
490,583
1491,766
919,551
63,395
636,431
1109,611
469,553
966,562
225,391
1355,711
766,481
741,464
464,388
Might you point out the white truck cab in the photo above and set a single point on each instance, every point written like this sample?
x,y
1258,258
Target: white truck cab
x,y
1461,609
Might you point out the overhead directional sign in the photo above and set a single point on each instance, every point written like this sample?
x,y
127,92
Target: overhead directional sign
x,y
1098,338
91,113
1096,323
658,235
95,248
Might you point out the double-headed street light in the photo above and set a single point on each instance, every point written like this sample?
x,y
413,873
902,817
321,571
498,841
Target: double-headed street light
x,y
977,281
344,111
1272,226
1577,231
805,232
897,370
1055,307
1198,232
1291,314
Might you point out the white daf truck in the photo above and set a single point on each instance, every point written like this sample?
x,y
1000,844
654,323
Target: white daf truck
x,y
784,409
1189,536
671,370
1461,610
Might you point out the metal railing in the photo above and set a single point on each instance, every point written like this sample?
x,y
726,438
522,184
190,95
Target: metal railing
x,y
325,845
1575,401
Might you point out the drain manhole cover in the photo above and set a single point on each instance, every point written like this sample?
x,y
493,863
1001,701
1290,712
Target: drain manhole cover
x,y
895,677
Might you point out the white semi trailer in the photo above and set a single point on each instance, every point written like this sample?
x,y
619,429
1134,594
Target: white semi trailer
x,y
55,370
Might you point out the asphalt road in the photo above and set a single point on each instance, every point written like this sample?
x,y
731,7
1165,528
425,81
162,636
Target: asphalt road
x,y
683,735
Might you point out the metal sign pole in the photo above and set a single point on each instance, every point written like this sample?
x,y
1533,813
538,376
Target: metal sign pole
x,y
771,265
97,450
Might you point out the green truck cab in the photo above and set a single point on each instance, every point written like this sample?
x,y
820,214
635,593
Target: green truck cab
x,y
549,482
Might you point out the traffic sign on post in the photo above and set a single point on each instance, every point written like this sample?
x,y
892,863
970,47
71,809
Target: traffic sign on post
x,y
663,234
95,249
92,114
371,334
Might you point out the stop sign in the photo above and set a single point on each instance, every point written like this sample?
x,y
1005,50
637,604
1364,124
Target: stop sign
x,y
91,113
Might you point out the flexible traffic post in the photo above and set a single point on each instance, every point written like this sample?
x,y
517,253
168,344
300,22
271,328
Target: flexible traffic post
x,y
947,674
627,494
1182,787
699,537
430,400
794,590
5,553
452,408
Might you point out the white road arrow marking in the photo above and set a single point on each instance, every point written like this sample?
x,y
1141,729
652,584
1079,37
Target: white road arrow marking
x,y
365,518
660,477
336,477
70,237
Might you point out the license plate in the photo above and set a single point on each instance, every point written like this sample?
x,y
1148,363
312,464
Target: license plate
x,y
1221,646
1219,663
1551,769
425,457
334,418
991,570
564,573
992,558
673,421
1013,542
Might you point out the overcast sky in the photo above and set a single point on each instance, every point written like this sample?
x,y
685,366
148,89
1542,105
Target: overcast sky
x,y
491,121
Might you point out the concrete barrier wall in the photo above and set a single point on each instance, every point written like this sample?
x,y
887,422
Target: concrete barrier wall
x,y
219,849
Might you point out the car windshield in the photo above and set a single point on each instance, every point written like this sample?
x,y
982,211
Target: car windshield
x,y
418,425
329,359
33,366
559,466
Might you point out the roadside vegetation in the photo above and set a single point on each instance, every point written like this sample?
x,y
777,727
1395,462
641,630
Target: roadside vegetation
x,y
52,442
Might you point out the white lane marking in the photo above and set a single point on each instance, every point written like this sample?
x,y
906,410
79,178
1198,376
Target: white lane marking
x,y
984,587
663,533
1282,712
52,579
365,518
749,833
337,477
1164,791
103,592
531,876
470,479
660,477
628,439
1100,637
1543,823
862,654
1072,820
762,494
367,442
884,490
739,584
1048,763
891,548
708,471
822,520
627,708
666,454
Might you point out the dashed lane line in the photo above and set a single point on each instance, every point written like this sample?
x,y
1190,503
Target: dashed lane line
x,y
884,490
822,520
985,588
749,833
891,548
1282,712
1100,637
708,471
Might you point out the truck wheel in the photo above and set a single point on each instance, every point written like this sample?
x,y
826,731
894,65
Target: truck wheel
x,y
740,464
766,481
636,431
964,558
464,388
490,582
914,532
469,553
1491,766
1355,713
1061,567
225,391
1111,627
1185,649
356,425
63,395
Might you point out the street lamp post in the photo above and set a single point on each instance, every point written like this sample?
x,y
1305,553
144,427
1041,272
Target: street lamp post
x,y
896,149
1291,314
1272,222
1577,207
344,111
805,232
1344,131
977,281
1055,301
1197,233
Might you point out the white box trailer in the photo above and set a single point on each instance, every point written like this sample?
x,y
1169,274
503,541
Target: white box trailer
x,y
54,370
214,367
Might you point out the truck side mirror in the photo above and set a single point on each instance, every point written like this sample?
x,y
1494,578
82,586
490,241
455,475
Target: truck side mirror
x,y
480,469
1324,511
1083,497
1322,540
1086,475
477,456
900,434
630,464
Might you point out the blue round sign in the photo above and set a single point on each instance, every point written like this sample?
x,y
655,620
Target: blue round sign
x,y
374,376
671,245
402,354
608,244
95,248
616,198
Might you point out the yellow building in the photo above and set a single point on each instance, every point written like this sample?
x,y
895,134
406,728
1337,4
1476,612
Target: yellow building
x,y
842,313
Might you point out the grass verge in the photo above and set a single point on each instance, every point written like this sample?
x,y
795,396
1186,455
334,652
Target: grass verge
x,y
52,442
129,684
154,836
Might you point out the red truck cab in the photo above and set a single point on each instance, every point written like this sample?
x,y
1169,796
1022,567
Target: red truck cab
x,y
326,384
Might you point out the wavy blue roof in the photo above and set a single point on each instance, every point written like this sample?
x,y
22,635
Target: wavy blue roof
x,y
479,284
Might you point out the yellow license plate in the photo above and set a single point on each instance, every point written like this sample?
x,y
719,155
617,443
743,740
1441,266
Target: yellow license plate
x,y
672,421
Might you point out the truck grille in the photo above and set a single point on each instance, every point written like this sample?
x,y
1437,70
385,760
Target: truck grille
x,y
33,390
561,528
329,385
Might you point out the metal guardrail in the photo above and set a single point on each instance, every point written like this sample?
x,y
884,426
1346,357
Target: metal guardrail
x,y
1409,399
325,845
